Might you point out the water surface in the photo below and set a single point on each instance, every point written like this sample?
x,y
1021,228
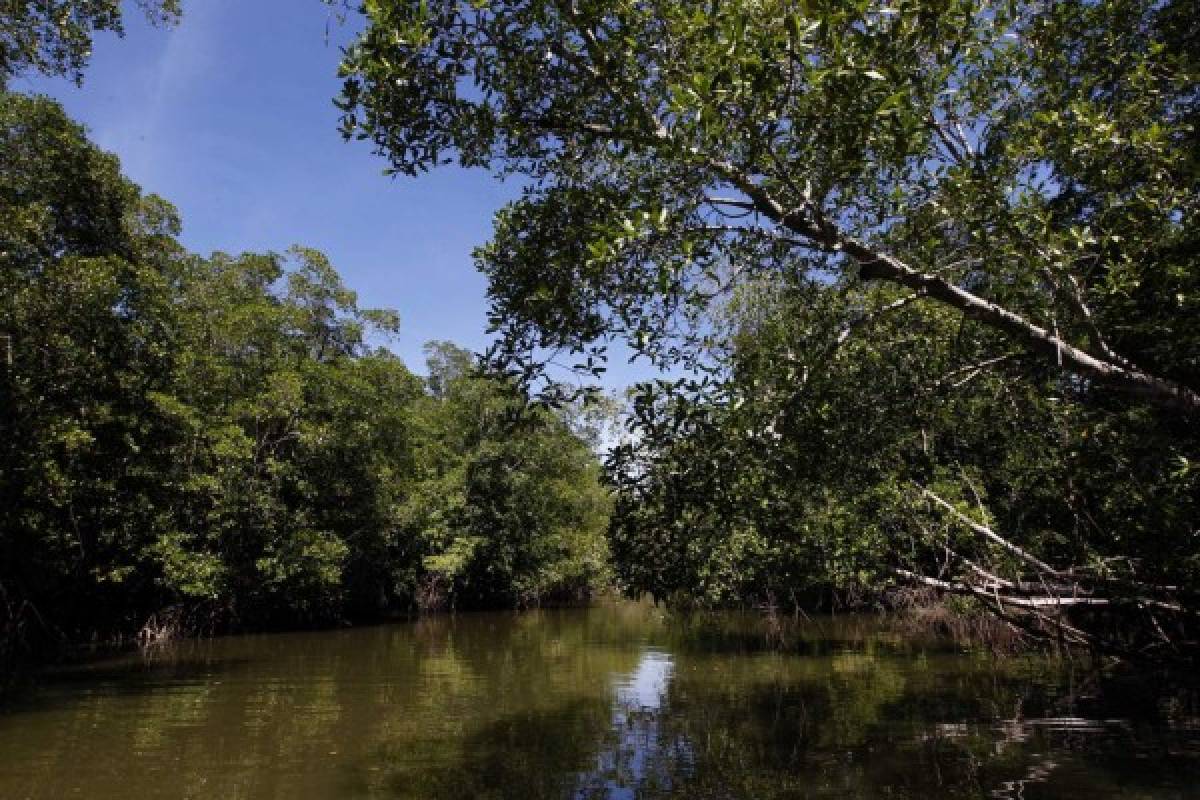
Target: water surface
x,y
611,702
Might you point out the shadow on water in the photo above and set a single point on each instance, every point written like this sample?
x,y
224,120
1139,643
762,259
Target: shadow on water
x,y
615,703
527,756
751,632
134,673
876,734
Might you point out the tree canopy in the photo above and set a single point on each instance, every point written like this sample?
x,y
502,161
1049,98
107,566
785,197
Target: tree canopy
x,y
925,273
933,264
194,443
55,36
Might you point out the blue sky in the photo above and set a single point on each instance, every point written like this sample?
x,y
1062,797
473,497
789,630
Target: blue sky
x,y
229,116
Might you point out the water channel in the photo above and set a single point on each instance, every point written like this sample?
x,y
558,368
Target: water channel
x,y
616,702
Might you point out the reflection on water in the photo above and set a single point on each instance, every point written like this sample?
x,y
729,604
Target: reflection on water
x,y
615,703
636,754
646,688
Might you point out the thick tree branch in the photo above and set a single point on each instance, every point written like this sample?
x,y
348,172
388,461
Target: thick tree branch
x,y
874,265
810,223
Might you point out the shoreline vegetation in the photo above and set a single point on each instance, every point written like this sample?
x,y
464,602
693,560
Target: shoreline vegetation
x,y
925,277
930,273
917,618
195,444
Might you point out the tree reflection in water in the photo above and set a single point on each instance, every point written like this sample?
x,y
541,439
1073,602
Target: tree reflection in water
x,y
605,704
864,722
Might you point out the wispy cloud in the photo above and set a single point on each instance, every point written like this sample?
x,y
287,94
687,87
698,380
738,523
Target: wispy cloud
x,y
149,103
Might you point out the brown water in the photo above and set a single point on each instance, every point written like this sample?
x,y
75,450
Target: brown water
x,y
612,702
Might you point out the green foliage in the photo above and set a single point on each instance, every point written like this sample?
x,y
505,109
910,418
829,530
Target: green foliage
x,y
904,249
55,36
509,503
215,433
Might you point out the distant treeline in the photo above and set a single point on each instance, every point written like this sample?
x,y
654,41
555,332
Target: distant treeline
x,y
195,443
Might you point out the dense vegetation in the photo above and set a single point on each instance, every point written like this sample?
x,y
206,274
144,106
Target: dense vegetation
x,y
929,269
932,265
197,442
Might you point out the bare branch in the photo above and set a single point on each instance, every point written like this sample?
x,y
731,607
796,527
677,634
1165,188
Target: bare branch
x,y
989,534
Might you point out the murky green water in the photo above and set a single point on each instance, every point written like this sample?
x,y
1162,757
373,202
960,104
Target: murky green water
x,y
602,703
